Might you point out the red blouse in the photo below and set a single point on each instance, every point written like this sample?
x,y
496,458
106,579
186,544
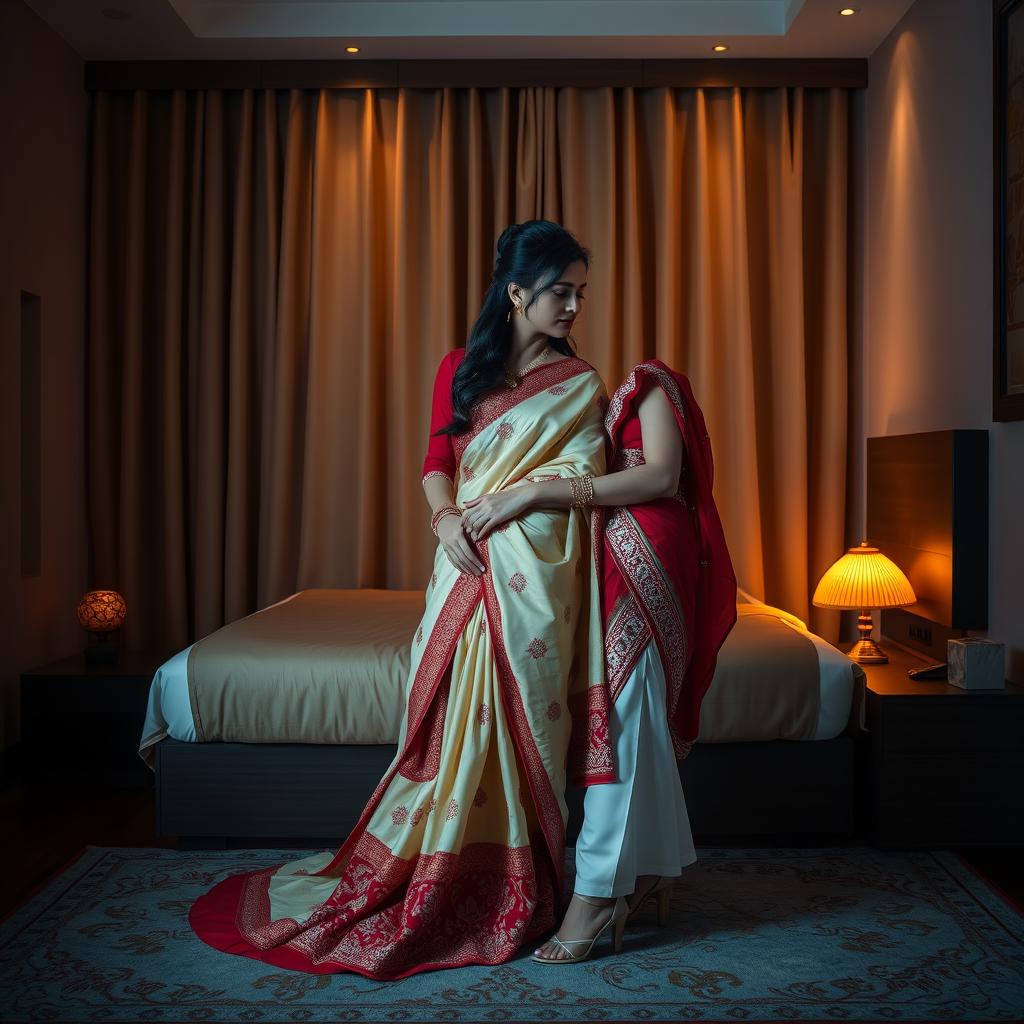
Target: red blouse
x,y
631,434
440,457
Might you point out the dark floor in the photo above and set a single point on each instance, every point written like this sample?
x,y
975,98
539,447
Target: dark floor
x,y
47,824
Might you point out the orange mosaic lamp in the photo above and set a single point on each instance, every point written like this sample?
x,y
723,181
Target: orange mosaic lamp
x,y
864,579
102,613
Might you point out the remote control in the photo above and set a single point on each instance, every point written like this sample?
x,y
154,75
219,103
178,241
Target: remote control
x,y
937,671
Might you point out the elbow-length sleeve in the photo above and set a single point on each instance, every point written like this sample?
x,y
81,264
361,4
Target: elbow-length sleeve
x,y
440,457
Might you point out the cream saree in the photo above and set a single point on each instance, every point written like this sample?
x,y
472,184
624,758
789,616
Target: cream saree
x,y
458,856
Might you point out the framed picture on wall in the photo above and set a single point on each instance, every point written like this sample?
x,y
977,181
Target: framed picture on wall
x,y
1008,95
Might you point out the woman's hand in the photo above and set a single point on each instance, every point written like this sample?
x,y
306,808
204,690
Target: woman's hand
x,y
491,510
451,533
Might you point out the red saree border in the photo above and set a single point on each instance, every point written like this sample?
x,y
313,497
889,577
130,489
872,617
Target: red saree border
x,y
618,405
590,743
477,906
591,758
464,596
545,801
423,762
503,401
627,636
656,600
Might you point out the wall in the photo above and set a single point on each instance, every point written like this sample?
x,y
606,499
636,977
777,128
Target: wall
x,y
44,112
926,150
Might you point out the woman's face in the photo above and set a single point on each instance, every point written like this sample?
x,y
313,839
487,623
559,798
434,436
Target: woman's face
x,y
558,306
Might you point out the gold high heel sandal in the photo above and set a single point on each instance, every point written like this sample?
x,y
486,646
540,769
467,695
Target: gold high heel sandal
x,y
617,921
662,889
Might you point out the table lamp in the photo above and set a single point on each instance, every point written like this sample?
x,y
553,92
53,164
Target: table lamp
x,y
102,613
864,579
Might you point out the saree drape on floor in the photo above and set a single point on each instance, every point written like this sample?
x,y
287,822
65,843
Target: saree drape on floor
x,y
667,574
458,856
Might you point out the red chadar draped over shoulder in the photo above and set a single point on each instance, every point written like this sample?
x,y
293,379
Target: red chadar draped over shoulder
x,y
666,569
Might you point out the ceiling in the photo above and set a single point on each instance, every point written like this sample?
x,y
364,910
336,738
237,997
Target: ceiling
x,y
460,29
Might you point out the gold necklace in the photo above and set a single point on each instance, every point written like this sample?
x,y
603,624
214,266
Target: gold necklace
x,y
512,380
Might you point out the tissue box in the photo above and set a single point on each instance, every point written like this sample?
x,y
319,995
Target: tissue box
x,y
976,663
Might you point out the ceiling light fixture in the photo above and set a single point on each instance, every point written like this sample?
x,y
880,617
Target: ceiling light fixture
x,y
351,49
847,11
719,48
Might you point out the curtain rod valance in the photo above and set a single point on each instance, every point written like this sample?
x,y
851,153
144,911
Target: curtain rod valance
x,y
432,74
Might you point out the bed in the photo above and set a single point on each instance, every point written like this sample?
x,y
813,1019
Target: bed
x,y
278,727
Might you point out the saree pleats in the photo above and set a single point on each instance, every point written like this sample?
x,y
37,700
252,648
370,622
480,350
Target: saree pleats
x,y
458,857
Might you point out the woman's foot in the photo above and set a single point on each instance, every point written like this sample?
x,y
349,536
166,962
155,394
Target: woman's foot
x,y
582,920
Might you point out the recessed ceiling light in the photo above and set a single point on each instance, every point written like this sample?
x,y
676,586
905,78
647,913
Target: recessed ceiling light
x,y
351,49
847,11
719,47
115,14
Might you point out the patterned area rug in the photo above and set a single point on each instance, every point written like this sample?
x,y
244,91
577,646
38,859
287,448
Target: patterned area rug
x,y
828,934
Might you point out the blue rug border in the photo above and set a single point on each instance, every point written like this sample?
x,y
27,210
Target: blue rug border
x,y
41,889
977,875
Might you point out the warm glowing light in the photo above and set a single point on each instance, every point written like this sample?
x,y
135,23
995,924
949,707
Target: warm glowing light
x,y
864,578
719,48
101,611
847,11
351,49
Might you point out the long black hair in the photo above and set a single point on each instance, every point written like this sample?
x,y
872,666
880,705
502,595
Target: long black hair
x,y
533,254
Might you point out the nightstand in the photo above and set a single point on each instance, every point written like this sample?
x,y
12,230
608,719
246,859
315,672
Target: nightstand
x,y
940,766
82,723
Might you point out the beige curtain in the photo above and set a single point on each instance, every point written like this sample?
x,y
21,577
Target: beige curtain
x,y
275,275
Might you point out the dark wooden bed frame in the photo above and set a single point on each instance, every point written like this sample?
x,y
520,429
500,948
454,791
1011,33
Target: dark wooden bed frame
x,y
216,795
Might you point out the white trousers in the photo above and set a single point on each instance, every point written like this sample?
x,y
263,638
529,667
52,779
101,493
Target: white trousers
x,y
637,825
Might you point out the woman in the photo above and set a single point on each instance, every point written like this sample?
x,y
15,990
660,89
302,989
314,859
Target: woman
x,y
458,857
668,601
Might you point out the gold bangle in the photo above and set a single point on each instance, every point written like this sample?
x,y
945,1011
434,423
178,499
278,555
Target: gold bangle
x,y
582,488
444,510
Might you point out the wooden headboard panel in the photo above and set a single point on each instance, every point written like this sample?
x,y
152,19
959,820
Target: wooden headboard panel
x,y
927,510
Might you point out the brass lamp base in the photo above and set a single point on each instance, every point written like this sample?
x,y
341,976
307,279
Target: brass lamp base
x,y
867,652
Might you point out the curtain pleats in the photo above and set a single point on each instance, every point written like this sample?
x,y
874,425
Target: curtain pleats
x,y
275,274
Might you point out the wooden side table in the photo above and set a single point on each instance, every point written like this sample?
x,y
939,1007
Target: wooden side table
x,y
83,723
941,766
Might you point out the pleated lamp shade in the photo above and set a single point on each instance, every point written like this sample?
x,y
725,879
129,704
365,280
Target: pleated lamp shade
x,y
863,578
